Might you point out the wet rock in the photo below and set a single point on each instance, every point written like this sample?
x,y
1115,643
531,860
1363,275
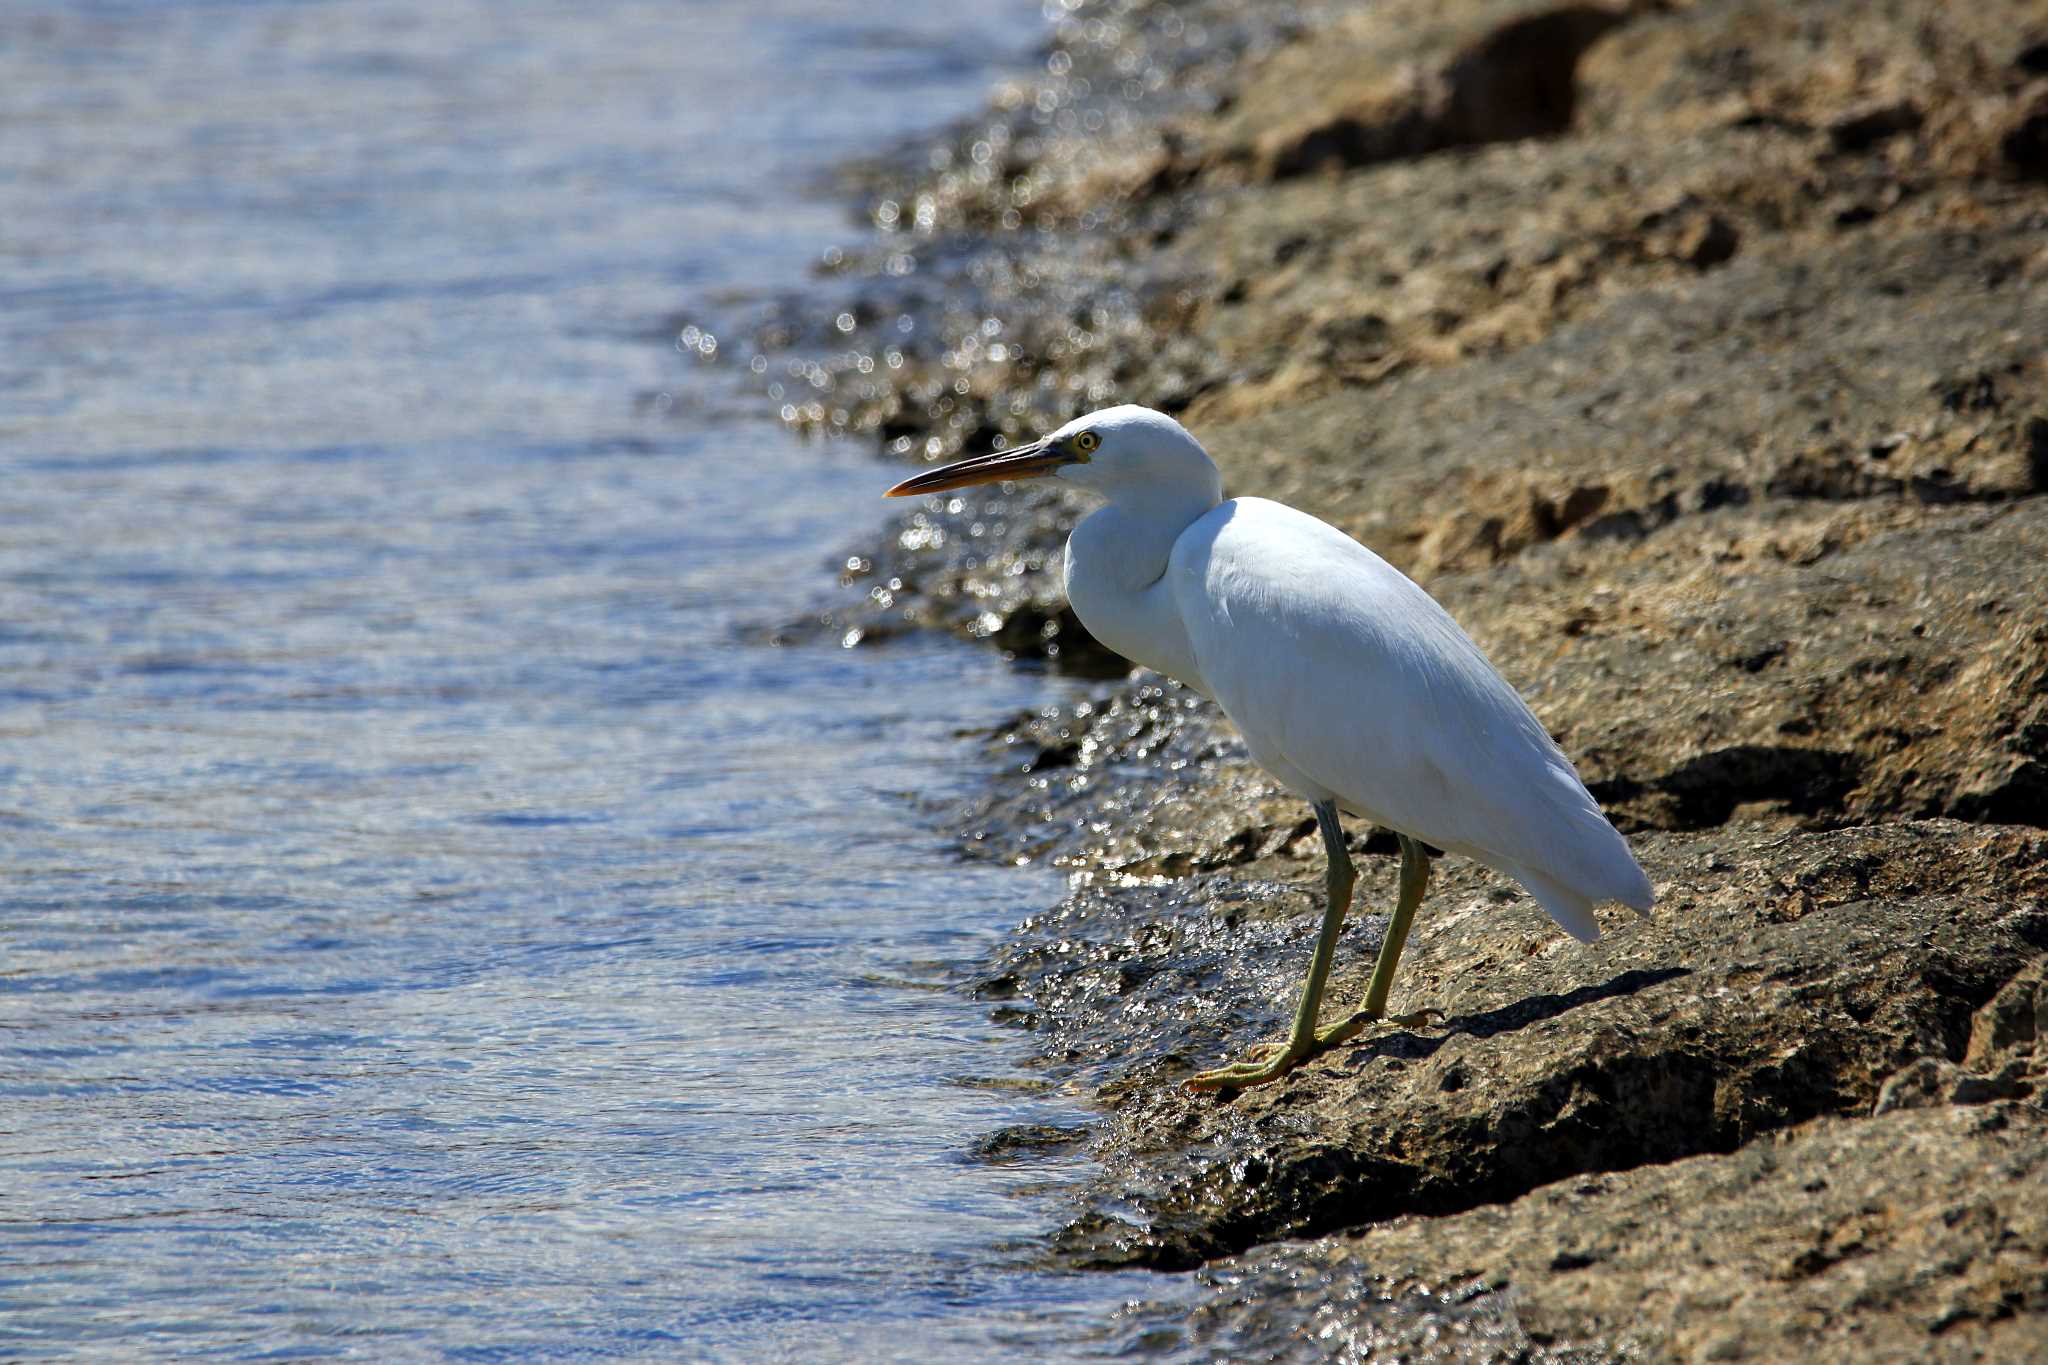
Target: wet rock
x,y
979,564
1028,1142
1784,978
1278,1305
1816,356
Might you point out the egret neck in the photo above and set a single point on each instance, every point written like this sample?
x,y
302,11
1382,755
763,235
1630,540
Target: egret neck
x,y
1117,561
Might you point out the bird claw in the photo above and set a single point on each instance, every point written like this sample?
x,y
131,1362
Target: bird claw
x,y
1271,1061
1241,1075
1357,1024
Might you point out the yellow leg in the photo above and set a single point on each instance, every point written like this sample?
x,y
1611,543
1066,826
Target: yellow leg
x,y
1373,1010
1302,1041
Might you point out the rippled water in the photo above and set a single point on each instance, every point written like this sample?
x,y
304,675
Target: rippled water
x,y
426,928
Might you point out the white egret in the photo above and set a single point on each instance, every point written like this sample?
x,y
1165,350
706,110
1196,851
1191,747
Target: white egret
x,y
1349,683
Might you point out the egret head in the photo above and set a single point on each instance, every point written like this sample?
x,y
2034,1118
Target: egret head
x,y
1125,453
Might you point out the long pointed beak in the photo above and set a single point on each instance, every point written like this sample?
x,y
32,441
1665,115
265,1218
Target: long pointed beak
x,y
1033,461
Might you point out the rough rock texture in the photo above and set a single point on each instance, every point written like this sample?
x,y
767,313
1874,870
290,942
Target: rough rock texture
x,y
1788,976
1695,355
1920,1235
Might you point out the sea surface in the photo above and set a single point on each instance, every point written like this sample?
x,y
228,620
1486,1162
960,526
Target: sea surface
x,y
430,928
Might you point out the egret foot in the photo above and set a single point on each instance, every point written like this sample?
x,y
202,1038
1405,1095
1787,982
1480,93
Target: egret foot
x,y
1358,1023
1237,1076
1272,1061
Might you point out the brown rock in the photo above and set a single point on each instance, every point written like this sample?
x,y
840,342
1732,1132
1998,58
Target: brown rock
x,y
1409,78
1784,978
1918,1236
1695,362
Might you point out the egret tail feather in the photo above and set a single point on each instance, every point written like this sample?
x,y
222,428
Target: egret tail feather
x,y
1573,910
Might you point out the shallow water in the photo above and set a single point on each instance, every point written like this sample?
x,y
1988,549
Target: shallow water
x,y
427,928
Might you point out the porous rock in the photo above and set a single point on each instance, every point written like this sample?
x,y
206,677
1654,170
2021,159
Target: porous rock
x,y
1919,1236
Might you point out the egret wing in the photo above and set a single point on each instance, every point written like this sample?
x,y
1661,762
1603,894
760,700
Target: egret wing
x,y
1348,680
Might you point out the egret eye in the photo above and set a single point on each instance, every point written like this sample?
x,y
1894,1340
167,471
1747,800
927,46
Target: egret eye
x,y
1086,442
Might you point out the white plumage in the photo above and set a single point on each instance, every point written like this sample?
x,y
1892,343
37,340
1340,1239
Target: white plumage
x,y
1349,683
1348,680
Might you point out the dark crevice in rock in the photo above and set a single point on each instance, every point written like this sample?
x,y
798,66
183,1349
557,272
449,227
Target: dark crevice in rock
x,y
1519,81
1706,791
2025,144
2021,798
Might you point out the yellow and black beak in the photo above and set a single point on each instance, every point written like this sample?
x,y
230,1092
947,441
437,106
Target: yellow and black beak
x,y
1033,461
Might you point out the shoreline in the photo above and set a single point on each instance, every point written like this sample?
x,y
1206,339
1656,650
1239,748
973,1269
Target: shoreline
x,y
1691,356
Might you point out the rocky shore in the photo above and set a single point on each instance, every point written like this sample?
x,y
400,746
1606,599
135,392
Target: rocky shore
x,y
1695,356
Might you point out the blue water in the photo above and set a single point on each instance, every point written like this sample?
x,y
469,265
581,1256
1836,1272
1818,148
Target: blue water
x,y
428,929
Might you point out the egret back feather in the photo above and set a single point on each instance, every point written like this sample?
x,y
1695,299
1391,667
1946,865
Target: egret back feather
x,y
1348,680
